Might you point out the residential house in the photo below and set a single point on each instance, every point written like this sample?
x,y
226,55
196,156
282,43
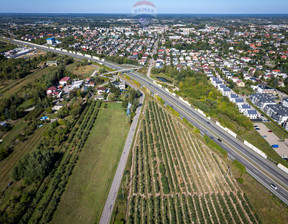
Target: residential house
x,y
226,91
99,97
119,84
232,97
277,112
91,84
265,89
238,101
64,80
285,102
244,107
50,90
261,99
252,114
101,90
240,83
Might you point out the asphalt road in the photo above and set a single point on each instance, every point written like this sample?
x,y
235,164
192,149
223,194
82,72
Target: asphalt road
x,y
110,201
264,171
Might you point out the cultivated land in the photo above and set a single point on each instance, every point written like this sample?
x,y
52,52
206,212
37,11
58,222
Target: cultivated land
x,y
86,192
175,178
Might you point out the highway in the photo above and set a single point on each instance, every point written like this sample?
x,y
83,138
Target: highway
x,y
261,169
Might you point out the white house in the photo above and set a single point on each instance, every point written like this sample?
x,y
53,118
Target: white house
x,y
101,90
252,114
244,107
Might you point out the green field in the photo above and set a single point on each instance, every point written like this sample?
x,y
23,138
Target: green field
x,y
88,187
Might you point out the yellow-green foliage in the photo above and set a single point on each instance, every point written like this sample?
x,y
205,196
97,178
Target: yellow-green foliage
x,y
136,82
212,144
195,130
187,122
160,99
174,112
126,76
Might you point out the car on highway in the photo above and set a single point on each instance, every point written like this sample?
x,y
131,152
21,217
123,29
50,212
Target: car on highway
x,y
273,186
219,140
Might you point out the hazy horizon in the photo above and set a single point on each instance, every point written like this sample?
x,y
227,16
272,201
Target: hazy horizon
x,y
163,7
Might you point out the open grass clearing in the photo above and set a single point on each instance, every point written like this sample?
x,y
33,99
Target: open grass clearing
x,y
81,71
88,187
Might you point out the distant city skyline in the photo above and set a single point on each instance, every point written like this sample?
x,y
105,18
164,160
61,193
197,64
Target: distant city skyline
x,y
168,6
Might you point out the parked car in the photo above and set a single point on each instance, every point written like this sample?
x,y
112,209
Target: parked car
x,y
270,131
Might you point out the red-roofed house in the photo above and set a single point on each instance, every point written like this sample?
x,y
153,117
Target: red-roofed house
x,y
90,84
51,89
64,80
101,90
240,83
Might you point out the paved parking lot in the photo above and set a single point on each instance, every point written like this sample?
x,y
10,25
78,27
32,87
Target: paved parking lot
x,y
272,139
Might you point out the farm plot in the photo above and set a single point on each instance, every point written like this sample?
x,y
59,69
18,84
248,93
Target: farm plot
x,y
47,194
175,178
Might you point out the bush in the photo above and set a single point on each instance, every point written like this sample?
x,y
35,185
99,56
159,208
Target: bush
x,y
240,180
239,166
3,153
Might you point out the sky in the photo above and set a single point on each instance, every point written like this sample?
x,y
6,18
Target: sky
x,y
163,6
